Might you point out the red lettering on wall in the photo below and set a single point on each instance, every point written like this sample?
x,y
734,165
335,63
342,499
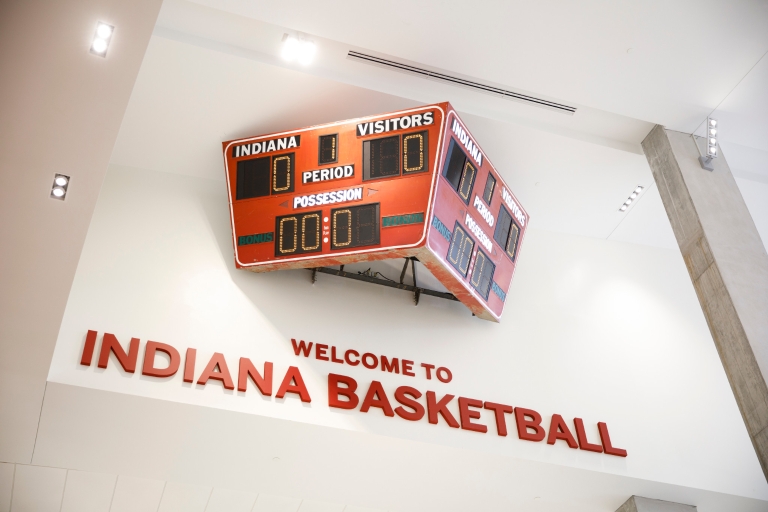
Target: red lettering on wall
x,y
558,429
523,424
293,383
247,370
348,391
189,365
348,360
467,415
607,446
388,366
334,358
211,372
109,344
320,351
302,347
407,396
498,411
90,344
428,368
149,367
434,407
366,357
376,397
408,368
444,375
582,437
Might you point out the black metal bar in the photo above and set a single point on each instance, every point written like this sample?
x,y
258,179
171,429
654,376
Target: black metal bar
x,y
383,282
417,293
402,274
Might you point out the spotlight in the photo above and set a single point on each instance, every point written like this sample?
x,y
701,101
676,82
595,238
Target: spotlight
x,y
60,185
706,161
300,50
638,190
102,39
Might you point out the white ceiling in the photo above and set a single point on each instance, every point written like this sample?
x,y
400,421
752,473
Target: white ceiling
x,y
686,56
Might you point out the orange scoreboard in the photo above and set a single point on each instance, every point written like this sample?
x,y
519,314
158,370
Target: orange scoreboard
x,y
408,183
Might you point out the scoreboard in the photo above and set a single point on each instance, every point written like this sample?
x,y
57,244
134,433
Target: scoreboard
x,y
408,183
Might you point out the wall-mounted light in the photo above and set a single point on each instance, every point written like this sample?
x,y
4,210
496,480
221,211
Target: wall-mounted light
x,y
295,49
59,187
638,190
101,39
711,136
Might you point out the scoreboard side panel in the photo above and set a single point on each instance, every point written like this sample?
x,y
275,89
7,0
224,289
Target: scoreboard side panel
x,y
474,232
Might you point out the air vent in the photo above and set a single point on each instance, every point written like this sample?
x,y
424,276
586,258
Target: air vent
x,y
425,73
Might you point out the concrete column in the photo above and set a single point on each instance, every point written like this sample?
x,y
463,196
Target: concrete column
x,y
728,265
639,504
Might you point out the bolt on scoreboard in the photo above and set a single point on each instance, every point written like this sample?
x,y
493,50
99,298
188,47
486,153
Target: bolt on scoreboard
x,y
408,183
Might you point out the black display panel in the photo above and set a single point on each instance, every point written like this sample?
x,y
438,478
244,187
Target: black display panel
x,y
454,165
381,158
415,152
482,274
282,173
252,178
298,234
460,250
503,221
490,185
507,233
460,171
355,226
327,152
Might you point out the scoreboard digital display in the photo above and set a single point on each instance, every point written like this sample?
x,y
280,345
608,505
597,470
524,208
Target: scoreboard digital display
x,y
409,183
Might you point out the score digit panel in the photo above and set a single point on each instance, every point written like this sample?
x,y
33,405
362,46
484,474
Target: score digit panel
x,y
388,186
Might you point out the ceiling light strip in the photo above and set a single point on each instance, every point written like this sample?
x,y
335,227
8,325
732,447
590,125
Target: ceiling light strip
x,y
460,81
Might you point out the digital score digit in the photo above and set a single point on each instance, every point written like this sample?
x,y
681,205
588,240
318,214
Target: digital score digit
x,y
409,183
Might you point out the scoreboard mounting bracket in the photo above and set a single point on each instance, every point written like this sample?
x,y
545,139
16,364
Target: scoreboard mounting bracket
x,y
367,277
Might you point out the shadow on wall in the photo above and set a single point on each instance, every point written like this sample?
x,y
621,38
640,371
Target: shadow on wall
x,y
282,295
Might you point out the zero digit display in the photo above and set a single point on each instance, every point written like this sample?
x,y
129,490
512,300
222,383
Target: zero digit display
x,y
298,234
482,274
412,183
415,152
460,171
282,173
355,226
460,250
507,233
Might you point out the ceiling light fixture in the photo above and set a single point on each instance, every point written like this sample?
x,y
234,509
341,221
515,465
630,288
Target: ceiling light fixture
x,y
631,198
706,160
59,187
101,39
300,50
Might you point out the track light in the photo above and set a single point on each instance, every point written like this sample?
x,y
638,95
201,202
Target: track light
x,y
59,187
301,50
706,160
101,39
638,190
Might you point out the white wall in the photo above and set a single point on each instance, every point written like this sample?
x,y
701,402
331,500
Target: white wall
x,y
602,330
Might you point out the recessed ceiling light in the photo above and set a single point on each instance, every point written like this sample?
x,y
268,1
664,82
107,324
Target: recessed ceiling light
x,y
631,198
59,187
101,39
295,49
